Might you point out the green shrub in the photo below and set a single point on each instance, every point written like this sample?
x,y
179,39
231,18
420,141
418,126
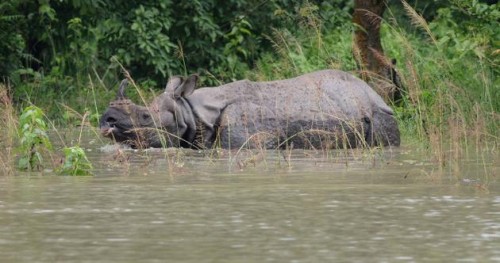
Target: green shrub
x,y
33,139
75,162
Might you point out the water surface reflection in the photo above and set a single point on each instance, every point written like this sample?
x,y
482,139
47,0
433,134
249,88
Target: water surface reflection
x,y
299,206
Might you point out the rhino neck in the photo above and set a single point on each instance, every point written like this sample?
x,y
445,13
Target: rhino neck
x,y
187,123
207,105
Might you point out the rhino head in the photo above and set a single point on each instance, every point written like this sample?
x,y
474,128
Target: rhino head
x,y
168,121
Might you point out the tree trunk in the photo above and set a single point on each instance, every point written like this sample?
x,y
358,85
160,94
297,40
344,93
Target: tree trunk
x,y
376,69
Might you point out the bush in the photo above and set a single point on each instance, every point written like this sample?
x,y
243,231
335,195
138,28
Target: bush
x,y
33,139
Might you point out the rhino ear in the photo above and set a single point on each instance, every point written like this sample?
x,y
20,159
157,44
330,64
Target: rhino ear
x,y
187,87
121,90
173,83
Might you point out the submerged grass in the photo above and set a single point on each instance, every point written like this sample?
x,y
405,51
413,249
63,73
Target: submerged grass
x,y
28,146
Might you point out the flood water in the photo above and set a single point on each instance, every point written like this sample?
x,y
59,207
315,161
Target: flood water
x,y
395,205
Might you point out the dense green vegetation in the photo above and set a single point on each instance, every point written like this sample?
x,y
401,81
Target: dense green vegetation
x,y
68,56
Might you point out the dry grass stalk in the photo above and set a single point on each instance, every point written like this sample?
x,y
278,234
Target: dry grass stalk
x,y
418,21
9,123
8,116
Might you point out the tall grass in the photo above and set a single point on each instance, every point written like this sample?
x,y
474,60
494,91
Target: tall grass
x,y
8,122
448,106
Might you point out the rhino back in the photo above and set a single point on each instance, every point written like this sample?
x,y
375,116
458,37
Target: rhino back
x,y
329,91
306,110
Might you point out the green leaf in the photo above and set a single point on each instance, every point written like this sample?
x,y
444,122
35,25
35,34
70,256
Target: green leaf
x,y
76,162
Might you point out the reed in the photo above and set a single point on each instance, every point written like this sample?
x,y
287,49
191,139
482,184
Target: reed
x,y
8,122
449,99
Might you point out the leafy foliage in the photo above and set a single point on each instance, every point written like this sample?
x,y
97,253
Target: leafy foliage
x,y
475,40
33,138
450,70
12,43
155,38
75,162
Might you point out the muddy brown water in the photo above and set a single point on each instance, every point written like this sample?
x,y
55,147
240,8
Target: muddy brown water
x,y
394,205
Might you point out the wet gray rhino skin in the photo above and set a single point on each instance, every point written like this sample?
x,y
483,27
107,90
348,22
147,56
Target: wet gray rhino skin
x,y
323,109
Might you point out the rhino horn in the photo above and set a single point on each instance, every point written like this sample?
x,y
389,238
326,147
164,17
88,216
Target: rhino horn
x,y
121,90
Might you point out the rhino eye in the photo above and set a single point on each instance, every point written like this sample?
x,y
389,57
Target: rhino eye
x,y
110,120
146,116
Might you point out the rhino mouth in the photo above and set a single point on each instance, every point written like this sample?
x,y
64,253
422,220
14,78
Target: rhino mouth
x,y
108,131
115,132
126,137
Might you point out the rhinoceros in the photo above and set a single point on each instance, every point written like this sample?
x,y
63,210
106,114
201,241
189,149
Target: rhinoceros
x,y
319,110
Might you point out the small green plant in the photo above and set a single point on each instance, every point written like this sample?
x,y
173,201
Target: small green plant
x,y
33,138
75,162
